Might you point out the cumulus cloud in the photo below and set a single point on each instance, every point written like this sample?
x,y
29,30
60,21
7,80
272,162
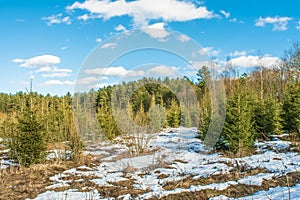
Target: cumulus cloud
x,y
57,19
58,82
108,45
226,14
255,61
279,23
46,65
114,71
144,10
38,61
156,30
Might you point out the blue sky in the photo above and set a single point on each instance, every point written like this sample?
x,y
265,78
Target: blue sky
x,y
49,40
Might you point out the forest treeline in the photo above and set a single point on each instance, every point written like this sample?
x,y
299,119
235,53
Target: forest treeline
x,y
259,104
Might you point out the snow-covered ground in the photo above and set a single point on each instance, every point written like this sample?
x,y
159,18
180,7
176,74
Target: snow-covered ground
x,y
4,161
175,156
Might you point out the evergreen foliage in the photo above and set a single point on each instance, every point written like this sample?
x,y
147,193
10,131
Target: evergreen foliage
x,y
291,109
27,145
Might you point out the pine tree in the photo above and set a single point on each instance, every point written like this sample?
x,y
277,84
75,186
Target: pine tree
x,y
173,116
28,142
291,109
157,116
267,117
238,130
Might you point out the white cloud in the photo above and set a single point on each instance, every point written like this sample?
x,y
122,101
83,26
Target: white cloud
x,y
107,71
114,71
134,73
226,14
255,61
98,40
59,74
279,23
83,17
156,30
183,38
38,61
44,69
298,25
58,82
120,27
211,51
162,70
53,70
100,85
108,45
144,10
57,19
87,80
238,53
69,83
18,60
64,48
234,20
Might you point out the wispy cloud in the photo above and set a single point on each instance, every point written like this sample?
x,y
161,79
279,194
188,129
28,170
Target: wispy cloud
x,y
211,51
163,70
120,27
53,70
57,19
64,48
279,23
298,25
238,53
108,45
183,38
235,20
58,82
98,40
56,75
226,14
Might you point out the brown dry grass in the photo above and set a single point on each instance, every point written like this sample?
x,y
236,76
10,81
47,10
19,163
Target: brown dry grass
x,y
239,190
22,183
113,190
216,178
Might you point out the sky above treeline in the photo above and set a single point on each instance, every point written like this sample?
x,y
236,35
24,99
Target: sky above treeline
x,y
48,41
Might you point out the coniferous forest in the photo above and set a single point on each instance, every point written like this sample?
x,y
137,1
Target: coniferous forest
x,y
258,105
